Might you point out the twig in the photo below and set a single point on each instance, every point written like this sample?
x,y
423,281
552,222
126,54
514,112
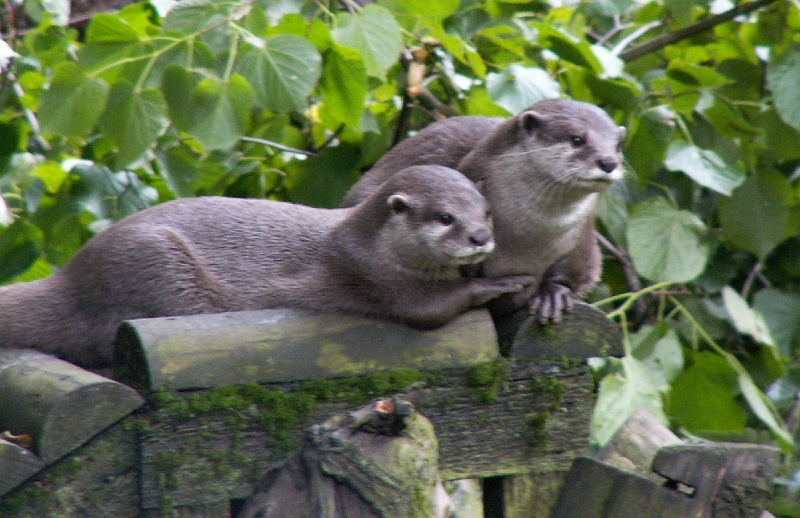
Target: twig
x,y
624,42
330,139
748,283
270,143
627,266
690,30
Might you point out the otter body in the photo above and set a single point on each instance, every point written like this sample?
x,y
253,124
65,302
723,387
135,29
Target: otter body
x,y
541,172
396,256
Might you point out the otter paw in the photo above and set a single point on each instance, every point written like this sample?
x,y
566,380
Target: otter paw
x,y
551,302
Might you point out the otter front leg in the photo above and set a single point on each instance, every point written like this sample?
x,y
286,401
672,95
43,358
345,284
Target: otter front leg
x,y
435,307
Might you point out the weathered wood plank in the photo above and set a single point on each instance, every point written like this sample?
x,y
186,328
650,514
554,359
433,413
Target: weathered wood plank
x,y
279,345
98,480
59,405
529,425
17,464
594,489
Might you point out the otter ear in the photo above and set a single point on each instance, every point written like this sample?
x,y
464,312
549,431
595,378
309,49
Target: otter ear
x,y
530,120
622,133
398,203
479,186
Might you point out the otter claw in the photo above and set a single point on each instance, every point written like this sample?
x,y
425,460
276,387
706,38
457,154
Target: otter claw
x,y
551,302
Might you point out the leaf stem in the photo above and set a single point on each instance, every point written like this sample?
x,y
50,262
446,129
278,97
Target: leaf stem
x,y
231,57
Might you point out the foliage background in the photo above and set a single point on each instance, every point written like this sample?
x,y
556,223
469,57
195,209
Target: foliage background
x,y
291,99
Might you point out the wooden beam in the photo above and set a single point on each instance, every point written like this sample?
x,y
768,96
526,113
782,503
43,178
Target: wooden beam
x,y
58,404
281,345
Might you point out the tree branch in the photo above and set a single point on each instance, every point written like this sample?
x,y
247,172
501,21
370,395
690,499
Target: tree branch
x,y
690,30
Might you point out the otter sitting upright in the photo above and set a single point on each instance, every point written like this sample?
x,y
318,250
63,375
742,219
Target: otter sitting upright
x,y
396,255
541,172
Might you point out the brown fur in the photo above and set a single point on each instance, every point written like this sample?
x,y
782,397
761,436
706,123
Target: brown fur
x,y
540,171
391,257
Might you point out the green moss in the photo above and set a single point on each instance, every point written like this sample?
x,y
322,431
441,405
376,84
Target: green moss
x,y
555,390
362,389
536,436
486,380
23,498
566,363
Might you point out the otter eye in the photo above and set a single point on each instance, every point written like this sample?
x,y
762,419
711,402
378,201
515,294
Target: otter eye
x,y
577,140
445,218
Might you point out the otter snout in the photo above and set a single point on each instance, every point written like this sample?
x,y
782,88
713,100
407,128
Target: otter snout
x,y
607,165
480,237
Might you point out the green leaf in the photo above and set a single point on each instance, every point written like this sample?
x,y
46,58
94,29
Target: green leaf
x,y
192,16
783,76
762,407
73,103
282,71
323,180
221,111
703,397
622,393
344,85
695,75
20,243
177,83
374,33
678,254
108,195
519,87
704,167
179,169
133,120
110,28
57,11
779,138
744,319
659,349
781,312
434,11
51,174
758,216
275,9
569,48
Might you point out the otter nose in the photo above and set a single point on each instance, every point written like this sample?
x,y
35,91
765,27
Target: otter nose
x,y
607,164
480,238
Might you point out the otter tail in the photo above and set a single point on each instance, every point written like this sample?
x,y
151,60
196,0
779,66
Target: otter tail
x,y
43,315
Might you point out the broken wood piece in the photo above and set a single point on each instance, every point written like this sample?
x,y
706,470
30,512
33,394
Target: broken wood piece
x,y
595,489
645,470
17,464
724,479
279,345
58,404
378,461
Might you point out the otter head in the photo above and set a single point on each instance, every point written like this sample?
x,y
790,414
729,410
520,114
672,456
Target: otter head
x,y
575,144
437,220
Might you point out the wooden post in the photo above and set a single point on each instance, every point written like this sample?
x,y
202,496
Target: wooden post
x,y
583,333
59,405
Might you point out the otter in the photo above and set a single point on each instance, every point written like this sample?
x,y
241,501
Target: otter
x,y
541,172
396,255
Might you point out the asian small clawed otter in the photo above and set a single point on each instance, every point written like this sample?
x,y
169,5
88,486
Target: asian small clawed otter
x,y
541,172
396,255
